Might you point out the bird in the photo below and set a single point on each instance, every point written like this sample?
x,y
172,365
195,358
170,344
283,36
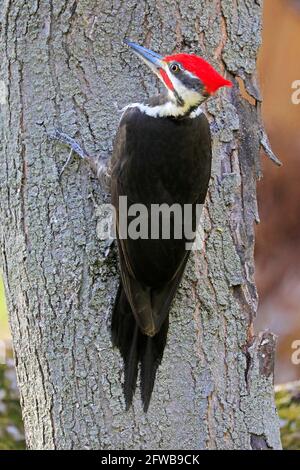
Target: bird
x,y
161,155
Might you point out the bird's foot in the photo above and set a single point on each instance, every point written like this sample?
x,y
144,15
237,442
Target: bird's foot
x,y
64,138
98,165
109,243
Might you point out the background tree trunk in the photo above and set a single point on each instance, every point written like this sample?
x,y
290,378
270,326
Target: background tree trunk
x,y
64,64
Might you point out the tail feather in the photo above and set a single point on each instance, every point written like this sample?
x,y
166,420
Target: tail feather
x,y
150,360
125,337
135,348
131,362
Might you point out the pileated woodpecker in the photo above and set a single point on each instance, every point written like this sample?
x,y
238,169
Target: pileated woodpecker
x,y
162,155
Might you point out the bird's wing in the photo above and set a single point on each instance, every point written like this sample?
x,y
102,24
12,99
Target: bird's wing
x,y
151,270
150,305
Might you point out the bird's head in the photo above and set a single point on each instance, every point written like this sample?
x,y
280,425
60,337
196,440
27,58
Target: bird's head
x,y
189,79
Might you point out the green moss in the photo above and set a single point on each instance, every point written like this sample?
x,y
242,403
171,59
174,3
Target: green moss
x,y
288,405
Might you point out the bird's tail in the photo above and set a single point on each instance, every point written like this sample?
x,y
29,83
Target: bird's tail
x,y
135,348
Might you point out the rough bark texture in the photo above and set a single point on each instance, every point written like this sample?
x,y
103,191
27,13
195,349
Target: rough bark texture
x,y
64,64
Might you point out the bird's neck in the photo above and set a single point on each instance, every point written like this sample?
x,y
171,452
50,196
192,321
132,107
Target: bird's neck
x,y
164,106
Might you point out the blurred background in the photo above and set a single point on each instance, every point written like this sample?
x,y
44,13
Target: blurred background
x,y
277,248
277,236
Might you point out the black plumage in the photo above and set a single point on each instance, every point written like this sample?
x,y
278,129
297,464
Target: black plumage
x,y
156,160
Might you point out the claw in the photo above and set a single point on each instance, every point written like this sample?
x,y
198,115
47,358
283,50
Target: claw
x,y
98,166
65,164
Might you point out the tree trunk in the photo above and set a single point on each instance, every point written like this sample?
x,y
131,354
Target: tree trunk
x,y
64,64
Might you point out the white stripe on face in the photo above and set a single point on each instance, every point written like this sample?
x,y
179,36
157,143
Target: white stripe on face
x,y
190,96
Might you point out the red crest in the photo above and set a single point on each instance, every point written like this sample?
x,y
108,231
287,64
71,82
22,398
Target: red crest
x,y
201,69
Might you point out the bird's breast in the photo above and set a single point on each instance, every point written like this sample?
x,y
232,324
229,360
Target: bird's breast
x,y
162,161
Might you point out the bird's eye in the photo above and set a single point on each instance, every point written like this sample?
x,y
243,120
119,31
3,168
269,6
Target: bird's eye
x,y
174,68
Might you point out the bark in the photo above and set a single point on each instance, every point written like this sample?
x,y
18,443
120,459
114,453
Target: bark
x,y
64,64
